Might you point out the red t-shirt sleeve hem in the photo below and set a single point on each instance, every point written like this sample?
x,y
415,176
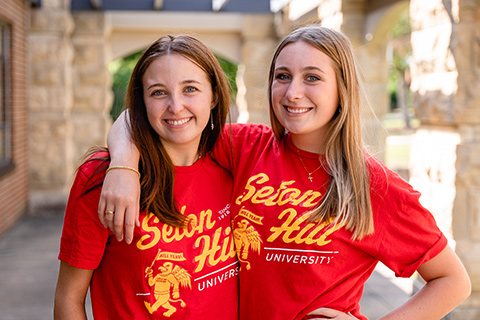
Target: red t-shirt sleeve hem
x,y
78,263
434,250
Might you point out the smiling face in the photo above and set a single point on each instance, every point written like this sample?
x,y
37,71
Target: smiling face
x,y
304,94
178,97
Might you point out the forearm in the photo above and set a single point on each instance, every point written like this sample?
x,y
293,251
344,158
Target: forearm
x,y
122,150
433,301
71,291
447,284
66,309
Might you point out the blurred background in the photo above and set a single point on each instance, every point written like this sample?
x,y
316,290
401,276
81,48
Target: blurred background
x,y
65,64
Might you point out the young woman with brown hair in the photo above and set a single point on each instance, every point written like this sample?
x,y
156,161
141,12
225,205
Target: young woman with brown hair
x,y
182,262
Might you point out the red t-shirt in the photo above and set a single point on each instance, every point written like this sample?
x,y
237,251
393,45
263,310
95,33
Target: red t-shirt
x,y
175,273
290,267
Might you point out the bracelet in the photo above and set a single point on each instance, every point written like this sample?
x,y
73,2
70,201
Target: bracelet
x,y
124,167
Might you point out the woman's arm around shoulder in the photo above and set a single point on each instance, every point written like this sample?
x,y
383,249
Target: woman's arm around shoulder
x,y
72,287
121,188
447,284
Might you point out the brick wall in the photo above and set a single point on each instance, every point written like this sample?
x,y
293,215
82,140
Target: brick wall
x,y
14,182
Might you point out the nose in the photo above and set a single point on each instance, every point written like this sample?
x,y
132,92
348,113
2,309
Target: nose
x,y
294,90
175,104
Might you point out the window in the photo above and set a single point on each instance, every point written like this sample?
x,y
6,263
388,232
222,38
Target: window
x,y
5,101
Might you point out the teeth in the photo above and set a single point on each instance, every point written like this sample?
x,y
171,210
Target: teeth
x,y
297,110
178,122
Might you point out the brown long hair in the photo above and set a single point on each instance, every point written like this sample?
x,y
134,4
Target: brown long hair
x,y
348,193
155,165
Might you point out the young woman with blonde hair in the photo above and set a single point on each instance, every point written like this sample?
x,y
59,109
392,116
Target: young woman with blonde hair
x,y
312,211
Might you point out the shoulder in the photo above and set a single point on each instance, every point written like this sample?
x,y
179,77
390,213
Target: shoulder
x,y
92,171
385,183
250,129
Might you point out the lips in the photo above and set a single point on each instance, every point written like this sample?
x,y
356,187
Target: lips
x,y
177,122
297,110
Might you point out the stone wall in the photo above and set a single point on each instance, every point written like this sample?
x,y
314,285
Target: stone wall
x,y
70,97
92,94
258,44
445,162
466,207
50,104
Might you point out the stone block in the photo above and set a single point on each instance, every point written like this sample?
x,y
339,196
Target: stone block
x,y
427,14
469,253
431,49
45,49
465,313
90,127
468,170
469,133
467,106
89,23
48,74
90,130
89,53
432,171
38,98
474,221
377,91
467,48
329,8
468,11
433,108
48,20
50,151
460,225
373,63
50,99
92,76
258,26
91,99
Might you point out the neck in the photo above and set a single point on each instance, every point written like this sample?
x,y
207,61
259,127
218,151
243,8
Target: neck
x,y
183,157
310,144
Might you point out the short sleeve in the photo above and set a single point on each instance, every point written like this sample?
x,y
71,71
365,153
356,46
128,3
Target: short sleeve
x,y
83,238
406,233
242,144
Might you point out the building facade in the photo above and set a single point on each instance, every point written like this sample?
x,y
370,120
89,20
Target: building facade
x,y
13,112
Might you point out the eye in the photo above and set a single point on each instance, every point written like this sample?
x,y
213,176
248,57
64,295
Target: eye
x,y
158,93
191,89
312,78
282,76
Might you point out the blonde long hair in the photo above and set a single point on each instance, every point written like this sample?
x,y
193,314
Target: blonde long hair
x,y
347,197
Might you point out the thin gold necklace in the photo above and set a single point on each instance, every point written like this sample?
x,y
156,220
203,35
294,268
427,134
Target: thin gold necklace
x,y
309,173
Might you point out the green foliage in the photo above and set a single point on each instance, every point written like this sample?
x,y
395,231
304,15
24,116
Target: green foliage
x,y
402,27
121,70
230,70
401,52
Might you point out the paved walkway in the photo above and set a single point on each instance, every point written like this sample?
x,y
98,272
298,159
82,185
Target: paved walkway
x,y
29,269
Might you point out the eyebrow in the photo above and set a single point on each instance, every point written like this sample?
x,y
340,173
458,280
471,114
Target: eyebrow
x,y
183,82
309,68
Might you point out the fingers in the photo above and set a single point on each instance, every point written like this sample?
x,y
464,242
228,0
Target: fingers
x,y
131,219
121,195
101,211
328,313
